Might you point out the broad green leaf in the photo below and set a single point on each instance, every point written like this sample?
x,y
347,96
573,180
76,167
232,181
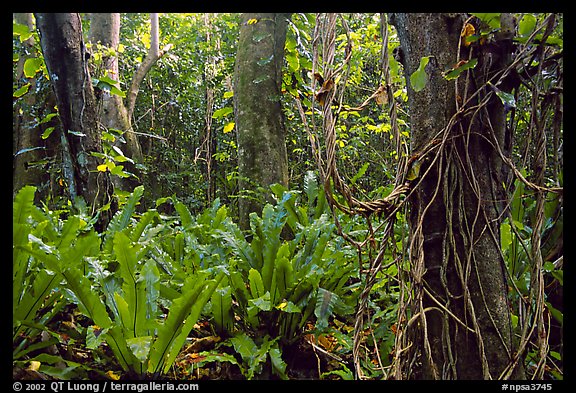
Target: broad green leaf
x,y
245,346
90,302
140,347
31,66
122,218
21,91
268,230
241,293
507,99
149,289
33,299
222,309
419,78
48,132
125,315
557,314
455,72
505,236
325,303
222,112
284,271
208,289
256,284
527,25
184,213
118,170
293,61
95,336
262,303
209,357
491,19
239,246
22,204
21,30
278,365
184,313
131,304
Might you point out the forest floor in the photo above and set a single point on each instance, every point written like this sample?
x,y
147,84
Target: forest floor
x,y
310,357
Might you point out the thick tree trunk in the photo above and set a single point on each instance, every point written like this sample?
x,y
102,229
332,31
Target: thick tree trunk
x,y
64,53
464,327
28,144
262,158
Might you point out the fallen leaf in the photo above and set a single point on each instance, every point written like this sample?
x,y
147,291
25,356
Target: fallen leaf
x,y
113,375
34,365
196,358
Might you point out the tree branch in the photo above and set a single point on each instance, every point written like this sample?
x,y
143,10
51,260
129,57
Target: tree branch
x,y
154,53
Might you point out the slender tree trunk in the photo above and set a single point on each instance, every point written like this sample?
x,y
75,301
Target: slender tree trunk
x,y
463,328
105,29
262,157
209,140
65,56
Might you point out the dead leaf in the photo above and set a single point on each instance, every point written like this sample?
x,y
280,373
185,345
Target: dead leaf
x,y
196,358
381,95
468,31
327,86
113,375
327,341
34,365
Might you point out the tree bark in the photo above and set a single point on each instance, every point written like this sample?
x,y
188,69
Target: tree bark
x,y
28,144
262,157
105,29
65,56
464,328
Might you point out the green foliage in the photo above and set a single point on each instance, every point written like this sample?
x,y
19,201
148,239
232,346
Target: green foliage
x,y
121,279
117,287
173,255
419,78
285,278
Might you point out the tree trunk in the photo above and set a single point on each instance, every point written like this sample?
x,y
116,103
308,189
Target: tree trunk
x,y
463,328
28,144
105,29
262,157
65,56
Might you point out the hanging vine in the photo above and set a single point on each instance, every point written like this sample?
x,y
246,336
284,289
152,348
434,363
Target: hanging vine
x,y
455,171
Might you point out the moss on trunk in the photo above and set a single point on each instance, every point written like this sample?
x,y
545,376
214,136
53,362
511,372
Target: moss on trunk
x,y
262,158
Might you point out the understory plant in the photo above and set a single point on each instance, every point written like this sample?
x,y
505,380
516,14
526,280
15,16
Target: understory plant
x,y
143,283
277,282
113,280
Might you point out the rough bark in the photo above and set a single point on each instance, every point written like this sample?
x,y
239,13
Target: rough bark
x,y
65,56
455,208
28,144
262,157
